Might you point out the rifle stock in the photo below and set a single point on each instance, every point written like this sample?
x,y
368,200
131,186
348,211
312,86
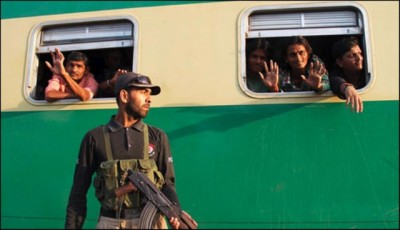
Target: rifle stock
x,y
126,188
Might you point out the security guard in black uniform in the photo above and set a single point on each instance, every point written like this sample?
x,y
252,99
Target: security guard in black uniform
x,y
109,151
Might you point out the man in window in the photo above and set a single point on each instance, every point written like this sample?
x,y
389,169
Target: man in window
x,y
72,81
349,74
259,77
114,60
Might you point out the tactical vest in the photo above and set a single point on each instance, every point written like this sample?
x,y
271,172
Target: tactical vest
x,y
112,173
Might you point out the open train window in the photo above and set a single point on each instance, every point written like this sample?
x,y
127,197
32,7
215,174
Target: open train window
x,y
322,24
97,38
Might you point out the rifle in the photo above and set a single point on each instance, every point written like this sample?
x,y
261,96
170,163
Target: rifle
x,y
137,180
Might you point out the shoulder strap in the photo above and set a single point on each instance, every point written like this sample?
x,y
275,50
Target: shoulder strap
x,y
146,142
107,142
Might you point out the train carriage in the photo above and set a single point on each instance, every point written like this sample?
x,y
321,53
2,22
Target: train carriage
x,y
242,159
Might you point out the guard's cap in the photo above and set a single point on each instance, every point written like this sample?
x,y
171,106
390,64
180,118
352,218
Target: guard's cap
x,y
136,80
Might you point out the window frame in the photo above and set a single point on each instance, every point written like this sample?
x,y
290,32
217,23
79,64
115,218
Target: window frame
x,y
35,48
245,34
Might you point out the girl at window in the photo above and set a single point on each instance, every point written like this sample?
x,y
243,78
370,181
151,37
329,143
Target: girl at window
x,y
301,70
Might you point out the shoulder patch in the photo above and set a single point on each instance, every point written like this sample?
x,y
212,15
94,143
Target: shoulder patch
x,y
151,150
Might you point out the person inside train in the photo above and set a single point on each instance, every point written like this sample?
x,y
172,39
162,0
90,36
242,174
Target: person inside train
x,y
348,75
72,81
114,68
301,70
260,76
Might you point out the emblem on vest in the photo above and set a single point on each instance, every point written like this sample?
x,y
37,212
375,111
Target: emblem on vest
x,y
151,150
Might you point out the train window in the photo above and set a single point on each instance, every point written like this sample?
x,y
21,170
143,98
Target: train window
x,y
321,24
97,38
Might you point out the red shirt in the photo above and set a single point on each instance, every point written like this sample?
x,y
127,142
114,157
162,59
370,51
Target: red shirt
x,y
88,82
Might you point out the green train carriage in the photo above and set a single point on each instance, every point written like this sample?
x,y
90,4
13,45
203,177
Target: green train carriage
x,y
242,159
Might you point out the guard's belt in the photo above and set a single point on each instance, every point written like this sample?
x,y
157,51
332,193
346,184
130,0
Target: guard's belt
x,y
125,213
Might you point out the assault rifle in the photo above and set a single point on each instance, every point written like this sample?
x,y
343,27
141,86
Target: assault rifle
x,y
137,180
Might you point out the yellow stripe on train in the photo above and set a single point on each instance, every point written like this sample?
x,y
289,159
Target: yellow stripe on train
x,y
194,52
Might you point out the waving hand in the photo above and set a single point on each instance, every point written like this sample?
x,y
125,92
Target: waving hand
x,y
58,62
271,76
315,75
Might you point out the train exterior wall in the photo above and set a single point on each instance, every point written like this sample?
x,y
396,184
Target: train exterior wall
x,y
240,162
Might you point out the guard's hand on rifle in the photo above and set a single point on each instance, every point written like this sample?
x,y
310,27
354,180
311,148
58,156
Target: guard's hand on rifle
x,y
174,222
185,217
